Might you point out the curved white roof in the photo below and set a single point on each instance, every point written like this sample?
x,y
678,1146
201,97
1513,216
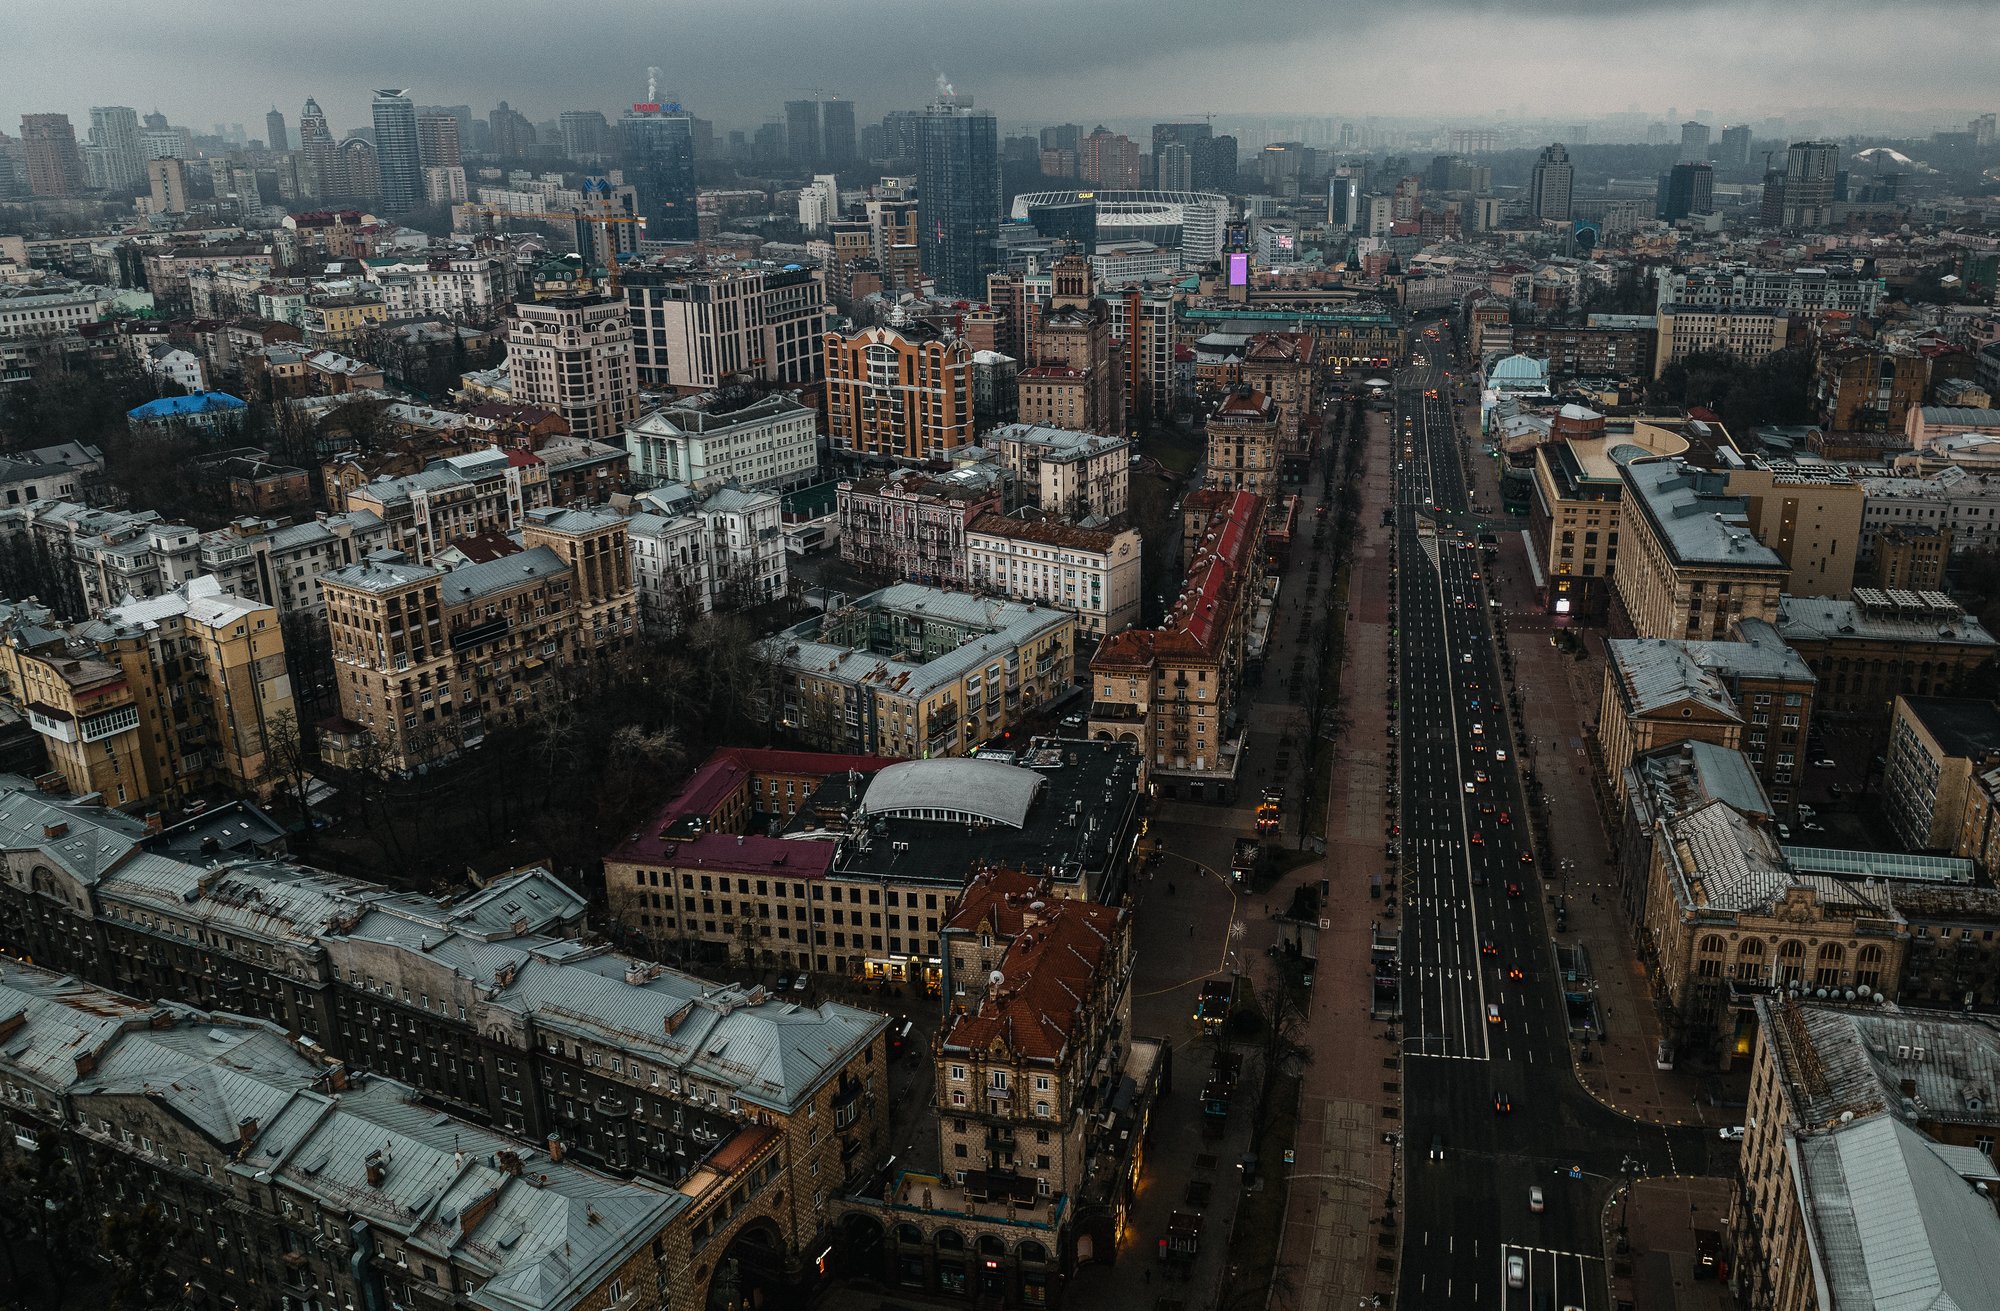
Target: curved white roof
x,y
953,789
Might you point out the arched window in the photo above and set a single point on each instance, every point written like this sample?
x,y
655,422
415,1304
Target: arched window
x,y
950,1240
1832,960
1709,966
1868,966
1791,960
1750,959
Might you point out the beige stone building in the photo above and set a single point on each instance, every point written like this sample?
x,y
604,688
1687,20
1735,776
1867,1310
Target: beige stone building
x,y
1938,746
915,671
1576,511
1809,515
1243,444
1171,692
1753,695
1072,374
1725,918
1867,651
1074,475
427,660
572,356
1094,572
1690,567
1867,1131
897,395
1749,334
159,697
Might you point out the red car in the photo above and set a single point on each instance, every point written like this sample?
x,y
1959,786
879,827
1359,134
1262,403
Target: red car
x,y
1506,818
1513,889
1478,838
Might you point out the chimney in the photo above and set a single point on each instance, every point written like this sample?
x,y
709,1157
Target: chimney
x,y
378,1169
86,1061
55,830
246,1129
555,1148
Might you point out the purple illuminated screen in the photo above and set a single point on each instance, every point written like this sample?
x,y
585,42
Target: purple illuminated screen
x,y
1239,269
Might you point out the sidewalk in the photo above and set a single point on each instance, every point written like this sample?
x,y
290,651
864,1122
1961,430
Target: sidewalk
x,y
1559,699
1660,1217
1336,1250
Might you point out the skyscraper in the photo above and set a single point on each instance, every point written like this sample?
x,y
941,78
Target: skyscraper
x,y
656,144
1110,159
1549,193
438,144
1694,142
1064,136
1173,167
322,167
958,194
1198,139
585,134
54,166
836,128
802,131
398,157
114,130
512,132
275,135
1687,189
1811,169
1734,152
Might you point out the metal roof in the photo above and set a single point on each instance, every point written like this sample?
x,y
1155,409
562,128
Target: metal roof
x,y
1889,1225
1656,673
1880,865
954,789
1698,524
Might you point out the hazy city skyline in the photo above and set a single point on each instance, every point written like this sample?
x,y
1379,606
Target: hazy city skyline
x,y
1034,61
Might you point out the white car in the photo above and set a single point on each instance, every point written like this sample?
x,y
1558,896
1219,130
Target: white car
x,y
1730,1133
1465,659
1517,1272
1535,1199
1471,787
1500,755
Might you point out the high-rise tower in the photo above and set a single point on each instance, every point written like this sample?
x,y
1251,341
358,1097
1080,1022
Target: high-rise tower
x,y
114,130
1550,192
397,153
275,135
656,146
958,193
321,173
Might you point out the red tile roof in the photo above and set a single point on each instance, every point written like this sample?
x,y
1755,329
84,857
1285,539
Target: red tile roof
x,y
1224,557
1049,970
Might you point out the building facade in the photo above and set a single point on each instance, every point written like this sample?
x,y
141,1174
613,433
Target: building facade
x,y
573,356
1243,443
772,441
696,327
913,528
899,396
1094,572
1691,567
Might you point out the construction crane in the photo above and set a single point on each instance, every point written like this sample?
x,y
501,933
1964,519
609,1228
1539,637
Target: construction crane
x,y
597,191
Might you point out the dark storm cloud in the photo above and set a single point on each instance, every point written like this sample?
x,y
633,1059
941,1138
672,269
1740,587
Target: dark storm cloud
x,y
1030,60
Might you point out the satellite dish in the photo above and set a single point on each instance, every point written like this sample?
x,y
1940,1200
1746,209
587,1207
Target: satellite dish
x,y
996,978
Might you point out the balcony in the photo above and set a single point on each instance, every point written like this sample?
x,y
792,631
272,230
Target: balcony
x,y
1123,712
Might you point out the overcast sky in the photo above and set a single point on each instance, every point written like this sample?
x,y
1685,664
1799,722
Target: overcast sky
x,y
1030,61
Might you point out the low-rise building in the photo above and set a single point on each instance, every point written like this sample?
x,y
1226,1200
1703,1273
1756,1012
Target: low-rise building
x,y
706,441
1081,476
51,473
1171,692
1937,746
692,555
1868,1132
912,527
207,414
340,321
918,671
1094,572
1963,503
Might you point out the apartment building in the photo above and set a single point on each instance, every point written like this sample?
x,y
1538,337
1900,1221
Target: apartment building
x,y
1282,365
51,473
484,491
1072,368
1910,558
1748,334
1790,291
918,671
696,327
1036,1158
491,1004
157,698
1963,503
1753,695
141,1100
573,356
1592,351
896,395
1867,1131
1867,651
1725,918
912,527
1576,506
1691,567
1171,692
1080,476
459,287
1938,747
693,555
709,440
1810,515
1243,444
55,313
428,660
338,322
874,856
1869,387
1094,572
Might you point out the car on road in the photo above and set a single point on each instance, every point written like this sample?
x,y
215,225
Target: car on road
x,y
1437,1147
1471,786
1466,658
1506,817
1485,807
1730,1133
1072,721
1478,838
1535,1199
1502,1104
1513,889
1492,1012
1824,762
1514,972
1500,755
1487,948
1517,1272
1480,775
1478,729
1527,858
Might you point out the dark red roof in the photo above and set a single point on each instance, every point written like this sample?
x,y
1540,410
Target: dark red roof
x,y
1049,971
1223,558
